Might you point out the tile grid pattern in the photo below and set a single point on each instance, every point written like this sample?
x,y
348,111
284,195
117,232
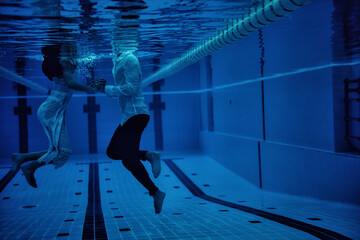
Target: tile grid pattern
x,y
59,210
225,184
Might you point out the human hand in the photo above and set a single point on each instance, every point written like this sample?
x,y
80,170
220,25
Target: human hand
x,y
99,84
92,90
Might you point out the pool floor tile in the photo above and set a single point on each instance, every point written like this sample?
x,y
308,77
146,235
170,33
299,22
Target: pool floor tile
x,y
58,208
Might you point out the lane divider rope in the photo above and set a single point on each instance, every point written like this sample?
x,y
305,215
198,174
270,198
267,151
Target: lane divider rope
x,y
257,17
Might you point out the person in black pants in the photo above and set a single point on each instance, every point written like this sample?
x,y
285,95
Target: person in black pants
x,y
124,144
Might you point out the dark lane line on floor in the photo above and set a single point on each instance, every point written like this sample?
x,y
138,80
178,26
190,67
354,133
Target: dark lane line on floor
x,y
318,232
94,214
6,179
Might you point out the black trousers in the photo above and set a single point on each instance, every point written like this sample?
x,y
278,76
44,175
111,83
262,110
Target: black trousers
x,y
124,145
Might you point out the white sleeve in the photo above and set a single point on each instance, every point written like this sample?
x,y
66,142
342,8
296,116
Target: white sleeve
x,y
132,74
116,91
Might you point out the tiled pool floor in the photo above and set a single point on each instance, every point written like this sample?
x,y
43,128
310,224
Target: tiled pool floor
x,y
92,197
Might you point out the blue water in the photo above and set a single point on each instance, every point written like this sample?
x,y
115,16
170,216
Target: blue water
x,y
259,140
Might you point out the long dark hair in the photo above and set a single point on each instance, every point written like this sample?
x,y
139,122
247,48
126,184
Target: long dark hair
x,y
51,66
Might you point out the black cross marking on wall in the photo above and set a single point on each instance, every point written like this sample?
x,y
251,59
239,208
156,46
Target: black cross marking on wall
x,y
91,109
209,95
157,106
22,110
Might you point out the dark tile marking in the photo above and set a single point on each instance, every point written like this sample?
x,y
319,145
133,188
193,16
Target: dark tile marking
x,y
29,206
106,169
119,217
316,231
202,203
107,179
222,195
72,211
16,184
94,225
81,170
76,205
167,175
22,109
115,208
271,208
223,210
111,202
315,219
241,201
255,221
69,220
209,95
5,198
206,185
78,193
124,229
79,180
178,213
187,197
109,191
91,108
6,179
63,234
158,106
176,187
194,174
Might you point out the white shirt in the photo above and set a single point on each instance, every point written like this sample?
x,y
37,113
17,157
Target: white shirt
x,y
128,85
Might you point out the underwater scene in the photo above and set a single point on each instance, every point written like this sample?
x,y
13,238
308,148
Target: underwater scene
x,y
180,119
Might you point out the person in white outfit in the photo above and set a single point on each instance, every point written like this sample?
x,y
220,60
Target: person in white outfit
x,y
124,144
59,67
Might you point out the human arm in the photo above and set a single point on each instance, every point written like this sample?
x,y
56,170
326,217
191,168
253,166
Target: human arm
x,y
99,84
132,74
68,72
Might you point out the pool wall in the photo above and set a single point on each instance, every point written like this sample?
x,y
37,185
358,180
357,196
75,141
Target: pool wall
x,y
289,135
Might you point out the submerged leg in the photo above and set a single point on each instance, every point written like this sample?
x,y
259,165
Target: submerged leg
x,y
139,172
126,141
29,171
159,197
20,158
154,159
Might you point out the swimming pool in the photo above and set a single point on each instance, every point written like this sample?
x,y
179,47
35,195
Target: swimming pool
x,y
256,120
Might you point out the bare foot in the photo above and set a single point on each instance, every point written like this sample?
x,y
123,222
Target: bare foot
x,y
29,175
16,161
154,159
159,197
